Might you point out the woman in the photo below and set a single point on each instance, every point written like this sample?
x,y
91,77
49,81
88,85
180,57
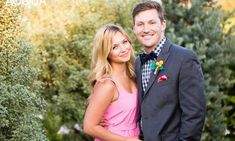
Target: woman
x,y
114,91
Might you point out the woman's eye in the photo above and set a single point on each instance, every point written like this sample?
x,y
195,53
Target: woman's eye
x,y
125,41
114,47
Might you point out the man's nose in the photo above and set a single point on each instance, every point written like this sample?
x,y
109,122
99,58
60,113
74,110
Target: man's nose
x,y
146,28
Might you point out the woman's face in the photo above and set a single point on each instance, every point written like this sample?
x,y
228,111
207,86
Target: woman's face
x,y
121,49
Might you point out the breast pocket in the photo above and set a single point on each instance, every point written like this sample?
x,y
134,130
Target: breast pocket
x,y
163,79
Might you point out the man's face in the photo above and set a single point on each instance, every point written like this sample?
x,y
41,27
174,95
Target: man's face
x,y
149,29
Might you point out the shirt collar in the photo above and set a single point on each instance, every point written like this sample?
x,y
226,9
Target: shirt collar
x,y
160,45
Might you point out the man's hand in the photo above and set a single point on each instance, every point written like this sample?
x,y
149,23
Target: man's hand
x,y
132,139
104,123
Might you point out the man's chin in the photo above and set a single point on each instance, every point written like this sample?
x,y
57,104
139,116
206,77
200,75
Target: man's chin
x,y
148,46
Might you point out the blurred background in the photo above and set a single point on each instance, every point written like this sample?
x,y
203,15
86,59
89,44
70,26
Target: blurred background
x,y
45,53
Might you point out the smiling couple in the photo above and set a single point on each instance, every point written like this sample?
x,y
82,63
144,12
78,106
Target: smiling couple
x,y
159,96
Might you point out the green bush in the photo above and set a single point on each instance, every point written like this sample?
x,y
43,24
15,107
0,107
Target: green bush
x,y
201,28
21,108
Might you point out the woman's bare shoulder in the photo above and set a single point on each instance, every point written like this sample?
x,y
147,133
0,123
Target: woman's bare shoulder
x,y
104,87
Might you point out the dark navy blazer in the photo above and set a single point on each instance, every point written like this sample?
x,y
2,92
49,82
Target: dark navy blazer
x,y
173,108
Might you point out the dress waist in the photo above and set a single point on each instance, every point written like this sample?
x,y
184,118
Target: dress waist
x,y
123,126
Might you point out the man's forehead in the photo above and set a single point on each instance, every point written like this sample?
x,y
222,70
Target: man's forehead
x,y
151,14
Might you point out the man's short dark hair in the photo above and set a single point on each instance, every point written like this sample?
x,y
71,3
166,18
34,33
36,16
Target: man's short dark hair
x,y
148,5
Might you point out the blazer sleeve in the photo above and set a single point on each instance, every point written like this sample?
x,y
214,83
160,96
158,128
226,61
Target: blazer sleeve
x,y
191,99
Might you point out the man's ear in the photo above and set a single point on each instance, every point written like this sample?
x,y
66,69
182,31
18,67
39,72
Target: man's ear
x,y
163,24
133,28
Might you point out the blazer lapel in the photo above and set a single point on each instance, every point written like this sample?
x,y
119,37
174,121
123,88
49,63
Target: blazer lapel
x,y
164,54
139,79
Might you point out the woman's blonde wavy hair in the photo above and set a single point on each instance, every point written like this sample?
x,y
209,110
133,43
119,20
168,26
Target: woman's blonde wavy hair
x,y
100,65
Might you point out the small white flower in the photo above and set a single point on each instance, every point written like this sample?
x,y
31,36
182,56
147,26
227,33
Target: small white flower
x,y
227,132
77,127
63,130
40,117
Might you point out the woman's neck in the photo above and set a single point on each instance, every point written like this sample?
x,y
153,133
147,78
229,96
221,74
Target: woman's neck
x,y
119,70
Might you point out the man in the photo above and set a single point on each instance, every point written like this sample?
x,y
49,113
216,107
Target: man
x,y
170,81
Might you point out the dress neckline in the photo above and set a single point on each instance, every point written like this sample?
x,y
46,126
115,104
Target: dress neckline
x,y
121,87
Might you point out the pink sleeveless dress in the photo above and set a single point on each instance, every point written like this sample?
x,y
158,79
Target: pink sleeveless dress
x,y
122,114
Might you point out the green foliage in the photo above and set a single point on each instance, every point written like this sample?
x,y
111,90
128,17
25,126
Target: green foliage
x,y
20,106
64,76
201,29
52,123
230,101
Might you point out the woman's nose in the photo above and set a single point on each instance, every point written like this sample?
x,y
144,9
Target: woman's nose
x,y
123,47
